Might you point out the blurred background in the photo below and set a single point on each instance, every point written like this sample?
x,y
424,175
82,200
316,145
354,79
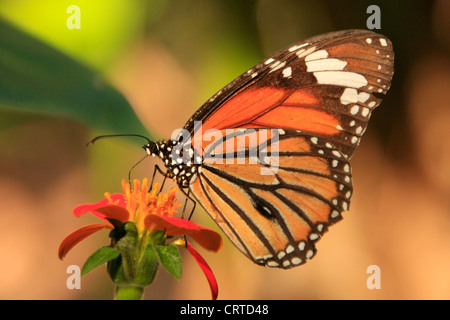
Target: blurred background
x,y
166,58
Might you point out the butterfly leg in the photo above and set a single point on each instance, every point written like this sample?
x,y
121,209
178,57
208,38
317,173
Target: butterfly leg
x,y
158,169
134,166
188,197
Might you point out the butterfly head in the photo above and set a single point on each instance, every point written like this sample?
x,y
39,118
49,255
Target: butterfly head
x,y
152,148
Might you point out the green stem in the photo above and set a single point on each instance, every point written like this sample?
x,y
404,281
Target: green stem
x,y
129,292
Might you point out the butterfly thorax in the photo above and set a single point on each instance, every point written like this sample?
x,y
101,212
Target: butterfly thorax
x,y
179,163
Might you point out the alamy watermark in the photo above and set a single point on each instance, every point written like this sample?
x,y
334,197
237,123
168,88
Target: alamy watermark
x,y
374,280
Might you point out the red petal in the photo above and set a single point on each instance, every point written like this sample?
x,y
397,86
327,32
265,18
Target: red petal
x,y
207,238
114,212
85,208
72,239
93,207
206,270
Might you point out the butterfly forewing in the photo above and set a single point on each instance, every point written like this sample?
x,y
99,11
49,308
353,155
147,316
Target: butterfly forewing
x,y
324,85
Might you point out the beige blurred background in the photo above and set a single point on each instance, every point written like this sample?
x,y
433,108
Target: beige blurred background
x,y
167,58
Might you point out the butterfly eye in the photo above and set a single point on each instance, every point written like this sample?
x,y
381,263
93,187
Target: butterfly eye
x,y
151,148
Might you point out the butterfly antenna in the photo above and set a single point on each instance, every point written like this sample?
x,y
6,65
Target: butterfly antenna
x,y
116,136
122,135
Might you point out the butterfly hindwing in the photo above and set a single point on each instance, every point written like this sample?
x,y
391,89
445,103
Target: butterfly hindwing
x,y
274,209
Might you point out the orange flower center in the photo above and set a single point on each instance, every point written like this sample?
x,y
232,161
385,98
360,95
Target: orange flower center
x,y
140,202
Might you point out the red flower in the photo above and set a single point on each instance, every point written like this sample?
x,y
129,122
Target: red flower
x,y
149,211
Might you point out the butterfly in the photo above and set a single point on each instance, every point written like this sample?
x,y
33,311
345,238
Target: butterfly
x,y
268,156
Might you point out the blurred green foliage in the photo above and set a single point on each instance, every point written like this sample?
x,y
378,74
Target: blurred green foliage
x,y
37,78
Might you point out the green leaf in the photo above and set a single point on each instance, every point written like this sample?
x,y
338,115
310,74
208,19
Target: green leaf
x,y
170,259
98,258
148,267
37,78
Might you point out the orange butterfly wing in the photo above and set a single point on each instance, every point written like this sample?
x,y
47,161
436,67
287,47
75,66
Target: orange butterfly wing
x,y
320,93
275,209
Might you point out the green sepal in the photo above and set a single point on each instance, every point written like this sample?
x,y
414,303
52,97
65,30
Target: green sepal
x,y
125,239
115,271
99,257
129,237
170,259
148,267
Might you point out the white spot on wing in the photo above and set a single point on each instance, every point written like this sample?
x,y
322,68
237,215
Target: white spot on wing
x,y
301,245
325,64
341,78
287,72
272,264
365,112
313,236
334,163
351,95
383,42
336,153
296,47
345,206
334,214
277,65
321,54
286,263
303,52
354,110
